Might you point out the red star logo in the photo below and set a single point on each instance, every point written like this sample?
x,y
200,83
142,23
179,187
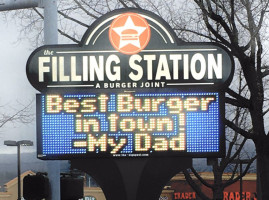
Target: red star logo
x,y
129,33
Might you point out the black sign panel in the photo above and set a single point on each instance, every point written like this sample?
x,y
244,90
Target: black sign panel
x,y
132,49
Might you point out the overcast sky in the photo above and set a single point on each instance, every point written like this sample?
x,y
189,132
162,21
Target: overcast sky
x,y
14,84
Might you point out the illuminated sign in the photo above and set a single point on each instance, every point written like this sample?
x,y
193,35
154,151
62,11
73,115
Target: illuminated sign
x,y
132,49
129,124
185,195
130,88
226,195
236,196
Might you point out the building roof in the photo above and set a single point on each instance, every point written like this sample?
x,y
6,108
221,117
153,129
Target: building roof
x,y
210,176
14,181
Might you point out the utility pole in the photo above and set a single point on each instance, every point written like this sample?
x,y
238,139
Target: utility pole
x,y
50,22
50,37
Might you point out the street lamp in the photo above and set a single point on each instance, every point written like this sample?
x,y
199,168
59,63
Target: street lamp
x,y
18,144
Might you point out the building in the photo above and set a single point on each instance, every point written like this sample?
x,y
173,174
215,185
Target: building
x,y
182,190
11,187
177,188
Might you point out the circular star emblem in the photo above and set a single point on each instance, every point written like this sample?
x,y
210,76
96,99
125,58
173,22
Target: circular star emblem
x,y
129,33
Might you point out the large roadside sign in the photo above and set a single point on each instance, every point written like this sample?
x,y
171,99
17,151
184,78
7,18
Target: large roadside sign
x,y
130,89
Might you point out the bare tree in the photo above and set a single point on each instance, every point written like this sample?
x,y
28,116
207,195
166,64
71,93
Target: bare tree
x,y
240,26
21,114
235,152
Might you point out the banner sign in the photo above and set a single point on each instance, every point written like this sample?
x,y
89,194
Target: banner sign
x,y
131,88
129,124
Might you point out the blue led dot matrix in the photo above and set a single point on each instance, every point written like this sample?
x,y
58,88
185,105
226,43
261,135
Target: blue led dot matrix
x,y
128,124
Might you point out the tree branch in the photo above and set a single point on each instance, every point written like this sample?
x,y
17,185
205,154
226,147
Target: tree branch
x,y
68,36
217,18
239,130
234,102
212,30
124,4
238,151
200,178
21,115
265,73
245,103
194,186
196,33
86,11
60,31
72,19
231,181
266,111
136,4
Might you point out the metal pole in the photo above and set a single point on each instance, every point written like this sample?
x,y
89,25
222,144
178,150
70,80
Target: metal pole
x,y
51,37
50,22
19,169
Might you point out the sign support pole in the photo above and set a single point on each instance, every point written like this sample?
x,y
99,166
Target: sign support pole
x,y
132,179
51,37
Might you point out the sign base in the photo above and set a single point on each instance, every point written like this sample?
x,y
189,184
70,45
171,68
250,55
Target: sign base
x,y
132,179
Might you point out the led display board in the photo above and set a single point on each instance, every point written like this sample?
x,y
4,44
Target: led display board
x,y
130,88
129,124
